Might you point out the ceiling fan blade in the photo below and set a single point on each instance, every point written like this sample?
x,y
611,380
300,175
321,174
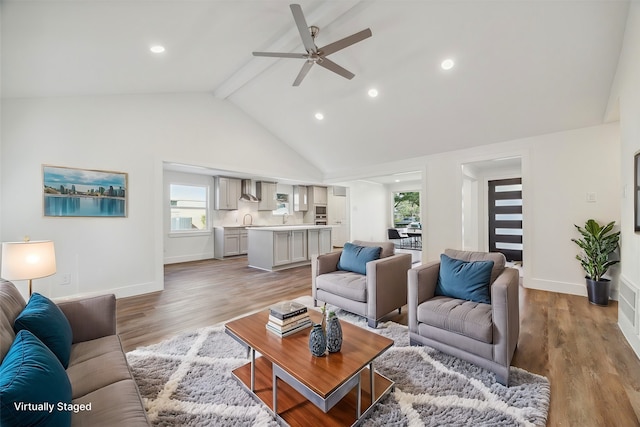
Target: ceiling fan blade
x,y
345,42
281,55
332,66
303,72
303,28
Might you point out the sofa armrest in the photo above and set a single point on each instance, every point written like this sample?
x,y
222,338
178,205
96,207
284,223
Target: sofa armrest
x,y
387,284
506,315
91,318
422,281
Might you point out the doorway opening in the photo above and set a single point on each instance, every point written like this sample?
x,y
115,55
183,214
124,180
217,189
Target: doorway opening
x,y
492,203
505,217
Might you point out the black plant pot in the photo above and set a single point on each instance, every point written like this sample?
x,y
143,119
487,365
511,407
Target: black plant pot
x,y
598,291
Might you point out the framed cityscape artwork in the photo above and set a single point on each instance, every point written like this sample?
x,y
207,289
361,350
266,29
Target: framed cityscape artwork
x,y
72,192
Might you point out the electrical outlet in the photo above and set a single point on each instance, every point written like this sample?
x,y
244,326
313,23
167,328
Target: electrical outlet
x,y
66,279
592,197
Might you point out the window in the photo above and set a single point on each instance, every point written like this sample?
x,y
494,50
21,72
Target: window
x,y
282,204
406,209
188,207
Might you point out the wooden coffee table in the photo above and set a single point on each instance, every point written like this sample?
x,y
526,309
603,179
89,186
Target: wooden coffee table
x,y
339,388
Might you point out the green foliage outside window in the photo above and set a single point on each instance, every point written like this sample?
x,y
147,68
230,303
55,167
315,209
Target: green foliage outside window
x,y
406,208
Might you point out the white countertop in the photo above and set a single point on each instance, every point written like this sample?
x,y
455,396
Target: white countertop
x,y
286,227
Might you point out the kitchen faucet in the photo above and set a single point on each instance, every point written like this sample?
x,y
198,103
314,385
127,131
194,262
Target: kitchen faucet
x,y
245,217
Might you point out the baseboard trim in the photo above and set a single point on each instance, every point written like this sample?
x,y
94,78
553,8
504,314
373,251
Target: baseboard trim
x,y
562,287
555,286
187,258
630,335
120,292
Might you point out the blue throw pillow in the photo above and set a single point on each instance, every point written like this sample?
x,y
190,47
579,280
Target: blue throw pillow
x,y
32,385
47,322
465,280
355,258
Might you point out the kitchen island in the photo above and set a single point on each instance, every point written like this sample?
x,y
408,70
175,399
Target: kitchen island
x,y
278,247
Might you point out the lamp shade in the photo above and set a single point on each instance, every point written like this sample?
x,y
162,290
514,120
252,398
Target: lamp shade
x,y
28,260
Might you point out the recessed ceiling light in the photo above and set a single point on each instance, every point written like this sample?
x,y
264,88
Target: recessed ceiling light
x,y
157,49
447,64
373,92
319,116
397,180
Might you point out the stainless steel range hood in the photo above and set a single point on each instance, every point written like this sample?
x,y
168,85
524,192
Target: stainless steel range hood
x,y
245,191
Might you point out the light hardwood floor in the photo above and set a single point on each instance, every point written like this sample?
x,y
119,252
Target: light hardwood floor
x,y
594,373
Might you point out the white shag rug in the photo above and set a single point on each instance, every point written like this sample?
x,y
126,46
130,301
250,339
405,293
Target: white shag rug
x,y
186,381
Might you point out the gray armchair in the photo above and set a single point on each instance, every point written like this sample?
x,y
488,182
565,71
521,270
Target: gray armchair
x,y
379,292
483,334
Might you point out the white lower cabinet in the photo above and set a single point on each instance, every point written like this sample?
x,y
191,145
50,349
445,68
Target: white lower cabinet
x,y
229,241
271,248
281,248
289,246
298,248
319,242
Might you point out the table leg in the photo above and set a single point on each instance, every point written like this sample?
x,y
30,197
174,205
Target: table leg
x,y
372,381
274,380
253,369
359,400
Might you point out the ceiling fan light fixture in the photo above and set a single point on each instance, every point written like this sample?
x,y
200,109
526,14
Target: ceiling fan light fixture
x,y
447,64
373,92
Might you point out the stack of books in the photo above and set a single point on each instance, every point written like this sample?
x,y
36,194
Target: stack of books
x,y
288,317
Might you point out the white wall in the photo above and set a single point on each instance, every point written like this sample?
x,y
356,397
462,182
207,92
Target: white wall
x,y
626,92
133,134
369,211
557,172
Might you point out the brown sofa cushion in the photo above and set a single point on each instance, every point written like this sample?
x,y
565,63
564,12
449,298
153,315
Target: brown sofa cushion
x,y
96,364
117,404
346,284
11,305
466,318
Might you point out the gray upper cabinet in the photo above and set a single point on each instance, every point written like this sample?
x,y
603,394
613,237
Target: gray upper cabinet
x,y
266,192
319,195
300,199
227,193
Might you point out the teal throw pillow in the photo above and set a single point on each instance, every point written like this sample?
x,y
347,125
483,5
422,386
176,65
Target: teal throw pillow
x,y
33,385
44,319
468,280
355,258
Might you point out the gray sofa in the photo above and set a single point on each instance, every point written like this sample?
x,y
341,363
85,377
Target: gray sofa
x,y
379,292
483,334
98,369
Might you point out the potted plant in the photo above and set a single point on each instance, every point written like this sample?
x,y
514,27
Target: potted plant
x,y
597,244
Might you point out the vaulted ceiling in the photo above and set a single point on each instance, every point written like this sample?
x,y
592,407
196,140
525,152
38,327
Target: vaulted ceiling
x,y
522,68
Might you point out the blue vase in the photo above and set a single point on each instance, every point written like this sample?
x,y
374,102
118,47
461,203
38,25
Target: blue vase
x,y
317,340
334,334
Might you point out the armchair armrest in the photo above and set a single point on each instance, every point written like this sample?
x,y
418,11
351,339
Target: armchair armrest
x,y
322,264
506,314
421,285
326,263
387,284
91,318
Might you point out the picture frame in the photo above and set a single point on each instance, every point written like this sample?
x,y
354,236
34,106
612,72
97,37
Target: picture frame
x,y
75,192
636,191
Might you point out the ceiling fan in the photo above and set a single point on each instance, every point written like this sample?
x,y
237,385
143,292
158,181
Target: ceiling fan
x,y
316,55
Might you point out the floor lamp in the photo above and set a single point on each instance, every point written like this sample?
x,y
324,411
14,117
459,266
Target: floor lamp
x,y
28,260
